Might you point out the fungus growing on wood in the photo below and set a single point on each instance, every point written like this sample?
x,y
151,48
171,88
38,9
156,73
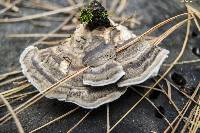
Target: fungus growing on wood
x,y
109,73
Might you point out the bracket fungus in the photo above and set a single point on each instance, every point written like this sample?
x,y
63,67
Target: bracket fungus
x,y
109,73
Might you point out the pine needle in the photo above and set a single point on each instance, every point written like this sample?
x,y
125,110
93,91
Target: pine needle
x,y
108,117
8,6
169,90
167,71
55,30
133,40
11,80
79,122
159,39
55,120
186,95
35,35
185,109
15,90
40,95
11,6
153,106
184,62
44,5
6,75
17,122
196,119
44,14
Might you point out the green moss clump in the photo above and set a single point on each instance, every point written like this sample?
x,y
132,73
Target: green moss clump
x,y
86,15
95,15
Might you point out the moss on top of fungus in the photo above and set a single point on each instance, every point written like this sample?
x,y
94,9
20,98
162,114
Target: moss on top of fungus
x,y
94,16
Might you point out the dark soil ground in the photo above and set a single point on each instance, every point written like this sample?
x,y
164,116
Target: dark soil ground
x,y
142,119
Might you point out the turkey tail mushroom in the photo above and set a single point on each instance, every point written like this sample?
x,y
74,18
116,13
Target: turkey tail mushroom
x,y
140,62
105,74
109,73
